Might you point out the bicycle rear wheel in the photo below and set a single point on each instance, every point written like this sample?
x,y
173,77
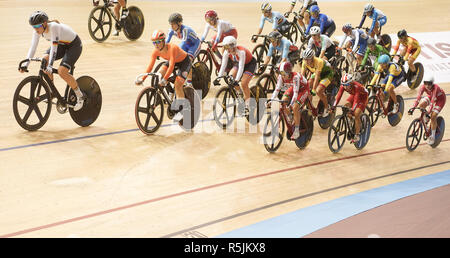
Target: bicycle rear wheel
x,y
133,25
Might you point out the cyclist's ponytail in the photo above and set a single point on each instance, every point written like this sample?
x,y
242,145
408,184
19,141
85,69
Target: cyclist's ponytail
x,y
54,21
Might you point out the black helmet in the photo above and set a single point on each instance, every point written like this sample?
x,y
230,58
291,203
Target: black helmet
x,y
371,41
402,33
275,35
38,17
175,18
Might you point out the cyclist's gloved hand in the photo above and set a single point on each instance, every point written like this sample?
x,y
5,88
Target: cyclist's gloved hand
x,y
23,68
49,69
139,81
410,111
286,14
163,82
216,82
313,92
262,68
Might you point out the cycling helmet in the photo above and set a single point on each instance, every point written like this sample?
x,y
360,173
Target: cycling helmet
x,y
368,8
347,27
175,18
286,67
402,33
266,7
429,78
275,35
229,41
314,9
158,35
38,17
383,59
315,30
211,14
346,79
308,53
371,41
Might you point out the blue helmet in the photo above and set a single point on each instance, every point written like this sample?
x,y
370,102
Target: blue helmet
x,y
314,9
383,59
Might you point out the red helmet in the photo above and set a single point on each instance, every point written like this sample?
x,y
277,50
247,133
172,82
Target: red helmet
x,y
211,14
286,67
158,35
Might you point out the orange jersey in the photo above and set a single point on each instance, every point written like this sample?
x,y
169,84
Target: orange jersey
x,y
173,53
411,44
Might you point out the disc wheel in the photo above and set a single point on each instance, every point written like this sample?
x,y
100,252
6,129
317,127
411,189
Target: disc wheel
x,y
133,25
99,24
149,110
203,56
32,103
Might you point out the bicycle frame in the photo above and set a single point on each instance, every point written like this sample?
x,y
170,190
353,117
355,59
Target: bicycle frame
x,y
212,55
107,4
290,123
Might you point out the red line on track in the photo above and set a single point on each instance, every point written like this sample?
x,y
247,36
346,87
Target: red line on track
x,y
25,231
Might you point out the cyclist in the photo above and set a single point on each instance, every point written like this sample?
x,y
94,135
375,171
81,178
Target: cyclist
x,y
326,24
281,45
223,28
296,90
175,56
244,65
358,39
435,99
190,43
321,78
118,5
378,17
322,43
374,50
303,12
280,23
357,100
410,51
395,77
65,44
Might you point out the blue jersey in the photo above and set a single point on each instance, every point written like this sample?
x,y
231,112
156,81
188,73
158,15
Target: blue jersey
x,y
323,20
189,40
377,16
283,48
277,19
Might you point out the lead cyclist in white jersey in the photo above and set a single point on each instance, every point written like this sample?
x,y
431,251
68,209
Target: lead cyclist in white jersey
x,y
65,44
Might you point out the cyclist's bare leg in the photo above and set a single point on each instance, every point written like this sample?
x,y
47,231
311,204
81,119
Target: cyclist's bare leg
x,y
179,83
433,120
296,109
411,66
66,76
358,113
244,83
321,93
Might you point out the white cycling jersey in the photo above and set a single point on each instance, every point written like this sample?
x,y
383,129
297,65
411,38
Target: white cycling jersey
x,y
58,34
222,27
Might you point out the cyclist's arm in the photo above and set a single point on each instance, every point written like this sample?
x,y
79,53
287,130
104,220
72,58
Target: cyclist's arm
x,y
224,63
286,47
277,88
54,48
34,44
357,38
311,21
433,98
419,95
363,19
396,47
382,50
219,31
240,72
173,51
376,76
338,96
366,56
205,32
356,97
375,18
261,23
169,36
322,21
152,63
296,88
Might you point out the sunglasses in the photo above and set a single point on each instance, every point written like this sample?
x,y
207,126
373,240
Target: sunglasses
x,y
157,41
37,26
428,83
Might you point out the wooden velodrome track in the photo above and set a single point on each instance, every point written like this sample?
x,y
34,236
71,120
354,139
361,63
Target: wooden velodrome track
x,y
111,180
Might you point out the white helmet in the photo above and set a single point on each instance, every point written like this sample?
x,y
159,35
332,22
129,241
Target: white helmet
x,y
315,30
308,53
368,8
428,78
229,41
266,7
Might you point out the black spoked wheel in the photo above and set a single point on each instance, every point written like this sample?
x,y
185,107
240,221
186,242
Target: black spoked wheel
x,y
259,52
32,103
267,82
293,34
133,25
203,56
373,110
273,132
414,134
99,24
415,79
224,107
149,110
337,134
257,104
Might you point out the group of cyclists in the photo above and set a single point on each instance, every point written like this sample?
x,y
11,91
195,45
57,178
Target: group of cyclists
x,y
316,72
